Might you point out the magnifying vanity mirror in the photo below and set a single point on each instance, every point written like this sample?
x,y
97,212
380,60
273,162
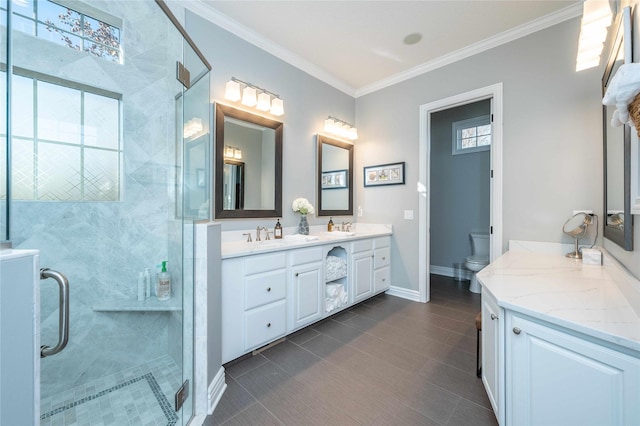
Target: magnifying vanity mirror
x,y
248,180
335,177
618,226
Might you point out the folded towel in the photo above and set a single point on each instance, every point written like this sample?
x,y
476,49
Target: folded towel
x,y
300,237
333,290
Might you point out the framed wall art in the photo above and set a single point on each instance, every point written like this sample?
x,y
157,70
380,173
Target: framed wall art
x,y
334,179
384,174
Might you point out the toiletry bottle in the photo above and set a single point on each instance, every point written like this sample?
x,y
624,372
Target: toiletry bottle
x,y
330,225
140,286
147,283
163,291
277,231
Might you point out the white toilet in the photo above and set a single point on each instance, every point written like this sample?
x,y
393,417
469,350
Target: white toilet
x,y
479,258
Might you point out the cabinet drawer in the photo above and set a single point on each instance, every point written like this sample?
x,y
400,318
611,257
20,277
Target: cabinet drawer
x,y
382,257
361,245
382,242
308,255
264,288
264,324
381,279
265,262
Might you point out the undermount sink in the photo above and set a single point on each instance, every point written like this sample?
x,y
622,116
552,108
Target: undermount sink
x,y
340,234
268,243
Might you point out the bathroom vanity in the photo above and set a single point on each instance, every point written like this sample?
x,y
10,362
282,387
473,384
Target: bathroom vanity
x,y
273,288
560,340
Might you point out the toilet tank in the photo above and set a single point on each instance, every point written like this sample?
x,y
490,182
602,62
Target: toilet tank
x,y
479,244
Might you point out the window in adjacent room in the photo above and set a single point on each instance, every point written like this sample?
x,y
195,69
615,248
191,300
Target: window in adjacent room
x,y
471,135
66,140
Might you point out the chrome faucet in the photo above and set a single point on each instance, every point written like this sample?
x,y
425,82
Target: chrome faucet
x,y
259,230
248,234
346,227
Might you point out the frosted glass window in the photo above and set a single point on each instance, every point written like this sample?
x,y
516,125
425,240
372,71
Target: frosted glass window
x,y
59,172
58,113
471,135
75,152
101,121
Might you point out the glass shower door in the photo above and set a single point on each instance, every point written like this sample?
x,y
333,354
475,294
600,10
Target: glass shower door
x,y
98,119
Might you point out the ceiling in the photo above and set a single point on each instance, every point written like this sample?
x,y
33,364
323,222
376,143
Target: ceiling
x,y
357,46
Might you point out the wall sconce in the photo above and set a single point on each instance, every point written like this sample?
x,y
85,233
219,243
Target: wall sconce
x,y
192,127
596,18
254,96
232,152
341,128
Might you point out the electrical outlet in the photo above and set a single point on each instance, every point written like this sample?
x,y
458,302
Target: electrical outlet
x,y
408,214
360,214
575,212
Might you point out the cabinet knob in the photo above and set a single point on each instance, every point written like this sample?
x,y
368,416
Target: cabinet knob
x,y
516,330
384,279
494,316
268,288
268,324
297,274
384,258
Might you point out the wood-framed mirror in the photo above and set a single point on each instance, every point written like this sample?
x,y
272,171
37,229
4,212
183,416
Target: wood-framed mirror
x,y
334,177
248,176
618,223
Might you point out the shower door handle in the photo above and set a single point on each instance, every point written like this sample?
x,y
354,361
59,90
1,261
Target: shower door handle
x,y
63,326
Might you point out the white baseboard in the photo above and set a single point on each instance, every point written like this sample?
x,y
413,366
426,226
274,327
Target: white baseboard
x,y
216,389
405,293
449,272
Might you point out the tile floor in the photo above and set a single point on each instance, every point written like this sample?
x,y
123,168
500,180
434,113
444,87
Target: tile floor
x,y
387,361
141,395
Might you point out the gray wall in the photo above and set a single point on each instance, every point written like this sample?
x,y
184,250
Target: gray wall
x,y
459,188
307,103
551,113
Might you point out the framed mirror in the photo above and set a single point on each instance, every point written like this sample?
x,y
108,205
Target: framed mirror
x,y
248,177
618,224
334,177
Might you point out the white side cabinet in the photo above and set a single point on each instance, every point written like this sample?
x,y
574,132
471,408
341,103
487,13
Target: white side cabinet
x,y
381,264
492,322
556,377
362,269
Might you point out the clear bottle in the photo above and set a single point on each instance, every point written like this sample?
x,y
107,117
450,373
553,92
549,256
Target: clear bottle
x,y
277,231
163,290
147,283
330,225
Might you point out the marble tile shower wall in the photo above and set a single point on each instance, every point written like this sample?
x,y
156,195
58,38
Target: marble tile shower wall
x,y
101,246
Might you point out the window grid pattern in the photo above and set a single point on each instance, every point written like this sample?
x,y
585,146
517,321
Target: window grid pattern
x,y
471,135
65,165
62,25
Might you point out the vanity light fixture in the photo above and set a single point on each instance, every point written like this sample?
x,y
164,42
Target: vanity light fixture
x,y
341,128
232,152
596,18
192,127
254,96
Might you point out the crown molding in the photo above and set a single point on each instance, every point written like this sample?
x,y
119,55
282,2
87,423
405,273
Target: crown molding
x,y
200,8
520,31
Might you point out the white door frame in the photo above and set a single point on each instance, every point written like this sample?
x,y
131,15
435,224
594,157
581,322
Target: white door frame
x,y
493,92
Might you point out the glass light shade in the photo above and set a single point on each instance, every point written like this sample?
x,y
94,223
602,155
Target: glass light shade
x,y
232,91
353,134
228,152
329,125
237,154
249,96
277,106
264,102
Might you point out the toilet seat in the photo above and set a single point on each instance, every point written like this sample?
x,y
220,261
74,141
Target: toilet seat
x,y
478,260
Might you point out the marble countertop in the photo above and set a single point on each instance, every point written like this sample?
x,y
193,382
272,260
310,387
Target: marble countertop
x,y
599,301
235,245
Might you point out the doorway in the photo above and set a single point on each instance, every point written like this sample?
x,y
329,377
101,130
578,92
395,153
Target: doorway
x,y
494,95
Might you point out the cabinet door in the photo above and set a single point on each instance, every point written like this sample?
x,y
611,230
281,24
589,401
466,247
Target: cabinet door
x,y
491,350
362,271
308,298
557,378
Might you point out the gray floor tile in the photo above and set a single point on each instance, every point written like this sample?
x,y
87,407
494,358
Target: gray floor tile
x,y
467,413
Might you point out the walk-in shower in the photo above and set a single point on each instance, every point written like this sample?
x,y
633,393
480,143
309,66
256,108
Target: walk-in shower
x,y
104,104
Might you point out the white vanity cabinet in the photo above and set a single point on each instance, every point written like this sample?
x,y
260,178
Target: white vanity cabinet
x,y
492,330
381,264
307,287
254,302
362,269
556,377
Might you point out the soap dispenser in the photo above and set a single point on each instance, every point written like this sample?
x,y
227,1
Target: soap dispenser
x,y
163,291
277,231
330,225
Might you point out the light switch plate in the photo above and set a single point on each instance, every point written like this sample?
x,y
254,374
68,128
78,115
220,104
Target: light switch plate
x,y
408,214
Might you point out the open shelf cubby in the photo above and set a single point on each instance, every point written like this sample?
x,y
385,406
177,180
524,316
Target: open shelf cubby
x,y
336,273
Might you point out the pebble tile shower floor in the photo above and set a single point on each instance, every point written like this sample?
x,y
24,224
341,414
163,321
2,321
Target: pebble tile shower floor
x,y
137,396
387,361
